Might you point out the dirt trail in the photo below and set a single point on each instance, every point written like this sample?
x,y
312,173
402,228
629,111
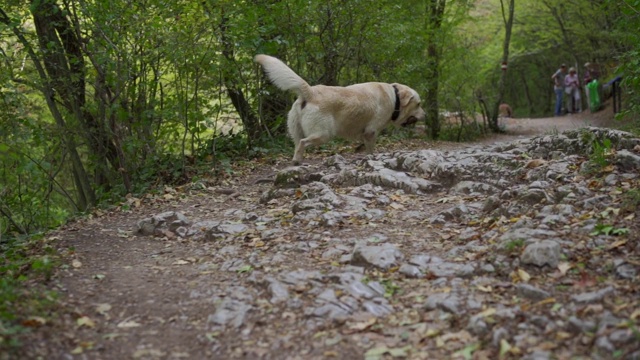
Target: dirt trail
x,y
127,296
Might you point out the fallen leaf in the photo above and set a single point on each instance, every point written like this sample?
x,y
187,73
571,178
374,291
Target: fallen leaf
x,y
486,313
523,275
505,347
111,336
618,244
376,353
85,321
180,262
362,325
76,263
486,289
128,324
77,351
535,163
34,321
98,276
563,267
432,332
102,309
397,206
467,351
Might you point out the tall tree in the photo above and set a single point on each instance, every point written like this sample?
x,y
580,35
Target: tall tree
x,y
435,14
508,24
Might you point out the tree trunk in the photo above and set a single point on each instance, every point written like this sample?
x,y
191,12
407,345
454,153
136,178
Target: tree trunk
x,y
249,118
61,49
86,194
435,13
508,23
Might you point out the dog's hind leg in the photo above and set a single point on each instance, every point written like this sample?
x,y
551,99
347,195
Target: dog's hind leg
x,y
315,139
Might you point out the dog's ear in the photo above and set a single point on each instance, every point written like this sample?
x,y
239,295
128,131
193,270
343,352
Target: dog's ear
x,y
405,95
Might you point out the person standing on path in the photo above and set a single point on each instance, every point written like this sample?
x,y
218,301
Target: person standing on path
x,y
572,87
558,86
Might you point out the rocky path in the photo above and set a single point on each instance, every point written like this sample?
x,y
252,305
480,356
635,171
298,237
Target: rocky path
x,y
514,249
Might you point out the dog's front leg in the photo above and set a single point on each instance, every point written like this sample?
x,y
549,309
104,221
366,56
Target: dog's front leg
x,y
369,139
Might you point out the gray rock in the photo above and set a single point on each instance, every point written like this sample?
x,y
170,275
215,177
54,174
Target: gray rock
x,y
531,292
478,326
434,300
382,256
420,260
627,160
538,355
546,252
473,187
576,325
622,337
279,291
377,309
593,296
603,344
410,271
169,219
533,196
498,335
627,271
360,291
230,312
447,269
525,234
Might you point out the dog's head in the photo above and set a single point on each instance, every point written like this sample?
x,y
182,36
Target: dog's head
x,y
410,109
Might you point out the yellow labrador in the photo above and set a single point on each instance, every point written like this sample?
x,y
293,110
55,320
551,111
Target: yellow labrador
x,y
356,112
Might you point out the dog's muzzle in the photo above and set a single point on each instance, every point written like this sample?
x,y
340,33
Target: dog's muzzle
x,y
410,121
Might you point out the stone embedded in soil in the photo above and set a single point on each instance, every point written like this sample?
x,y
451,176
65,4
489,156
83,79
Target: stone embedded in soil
x,y
230,312
545,252
170,220
461,284
381,256
531,292
593,296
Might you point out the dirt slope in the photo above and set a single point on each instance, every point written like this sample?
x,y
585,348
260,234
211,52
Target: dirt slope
x,y
128,296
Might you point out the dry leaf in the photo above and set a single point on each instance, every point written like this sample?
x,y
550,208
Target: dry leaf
x,y
34,321
486,289
85,321
76,263
128,324
180,262
535,163
102,309
486,313
397,206
618,244
362,325
523,275
563,267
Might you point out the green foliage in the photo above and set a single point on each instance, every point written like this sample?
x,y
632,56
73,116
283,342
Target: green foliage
x,y
23,261
631,200
171,88
513,246
601,151
603,229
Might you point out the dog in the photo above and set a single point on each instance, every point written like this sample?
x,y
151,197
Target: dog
x,y
356,112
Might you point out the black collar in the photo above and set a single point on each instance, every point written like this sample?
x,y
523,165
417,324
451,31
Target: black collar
x,y
396,108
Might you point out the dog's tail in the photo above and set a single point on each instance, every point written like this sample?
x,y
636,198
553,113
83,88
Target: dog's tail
x,y
283,77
